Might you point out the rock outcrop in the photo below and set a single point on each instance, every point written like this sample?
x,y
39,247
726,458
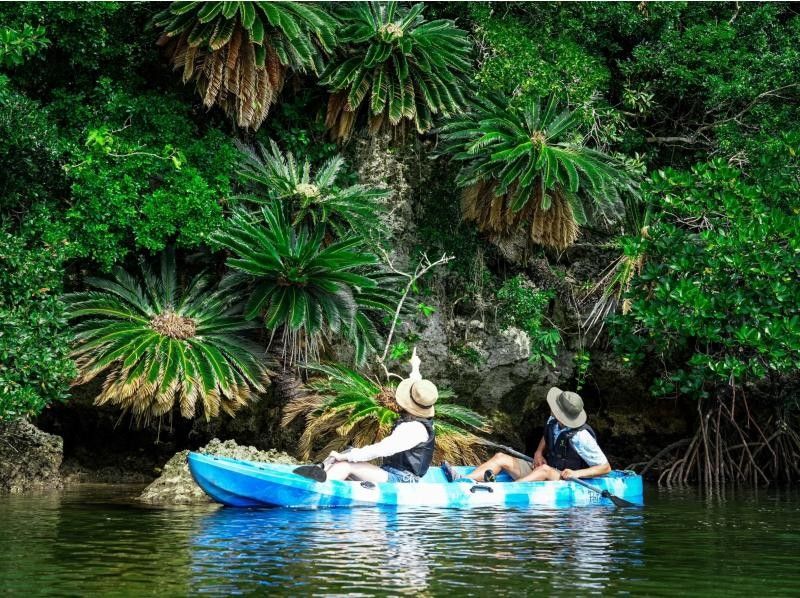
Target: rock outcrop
x,y
176,486
29,458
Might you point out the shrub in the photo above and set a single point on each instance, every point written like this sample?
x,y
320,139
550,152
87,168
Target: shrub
x,y
717,300
524,306
144,175
35,368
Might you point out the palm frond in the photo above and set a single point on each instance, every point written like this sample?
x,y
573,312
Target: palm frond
x,y
523,167
395,68
342,407
161,346
238,53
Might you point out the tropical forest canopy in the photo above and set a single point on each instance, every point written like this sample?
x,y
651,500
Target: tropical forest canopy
x,y
176,192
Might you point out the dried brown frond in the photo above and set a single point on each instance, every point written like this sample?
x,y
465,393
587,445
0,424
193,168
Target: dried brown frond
x,y
188,399
212,71
275,71
376,122
245,102
230,81
460,448
211,402
188,60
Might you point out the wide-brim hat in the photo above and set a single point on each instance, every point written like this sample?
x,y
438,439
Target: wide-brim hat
x,y
567,407
417,397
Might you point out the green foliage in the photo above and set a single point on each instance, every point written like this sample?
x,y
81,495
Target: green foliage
x,y
345,408
143,175
710,73
87,40
30,151
518,59
162,346
315,201
304,287
522,305
530,166
468,354
16,46
717,299
298,125
582,360
395,66
239,52
35,368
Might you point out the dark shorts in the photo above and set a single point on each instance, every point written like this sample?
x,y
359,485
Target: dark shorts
x,y
399,475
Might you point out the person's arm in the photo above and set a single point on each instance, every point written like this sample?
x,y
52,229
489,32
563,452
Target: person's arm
x,y
586,446
405,436
538,456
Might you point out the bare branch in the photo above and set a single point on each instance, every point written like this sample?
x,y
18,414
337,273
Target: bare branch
x,y
422,268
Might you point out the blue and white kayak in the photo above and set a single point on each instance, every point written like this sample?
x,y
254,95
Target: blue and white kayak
x,y
237,483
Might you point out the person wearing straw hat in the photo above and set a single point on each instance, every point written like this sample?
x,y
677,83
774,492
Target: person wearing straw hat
x,y
407,452
568,447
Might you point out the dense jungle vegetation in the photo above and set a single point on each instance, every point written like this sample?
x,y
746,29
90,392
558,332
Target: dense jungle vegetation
x,y
181,217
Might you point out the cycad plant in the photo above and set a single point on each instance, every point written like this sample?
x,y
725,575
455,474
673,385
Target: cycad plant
x,y
342,407
316,200
396,68
162,346
239,52
303,287
527,167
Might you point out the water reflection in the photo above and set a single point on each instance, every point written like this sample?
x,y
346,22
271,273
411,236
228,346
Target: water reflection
x,y
412,551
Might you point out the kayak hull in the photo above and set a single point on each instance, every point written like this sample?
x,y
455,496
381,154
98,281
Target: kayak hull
x,y
236,483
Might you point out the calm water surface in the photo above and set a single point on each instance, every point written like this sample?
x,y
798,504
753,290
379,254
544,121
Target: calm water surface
x,y
93,540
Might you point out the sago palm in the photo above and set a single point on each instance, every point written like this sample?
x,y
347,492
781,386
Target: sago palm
x,y
314,200
527,167
396,68
342,407
302,287
239,52
160,345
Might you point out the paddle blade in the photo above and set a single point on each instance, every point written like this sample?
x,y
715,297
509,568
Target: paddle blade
x,y
312,472
619,502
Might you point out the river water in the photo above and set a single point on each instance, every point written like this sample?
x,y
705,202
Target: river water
x,y
94,540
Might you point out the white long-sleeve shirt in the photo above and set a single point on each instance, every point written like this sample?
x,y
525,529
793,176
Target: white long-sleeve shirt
x,y
405,436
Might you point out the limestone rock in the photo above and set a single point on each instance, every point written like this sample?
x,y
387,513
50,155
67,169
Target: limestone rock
x,y
176,486
29,458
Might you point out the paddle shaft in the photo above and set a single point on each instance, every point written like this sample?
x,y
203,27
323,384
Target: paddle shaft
x,y
604,493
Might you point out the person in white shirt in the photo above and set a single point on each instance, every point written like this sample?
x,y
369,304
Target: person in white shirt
x,y
568,447
407,452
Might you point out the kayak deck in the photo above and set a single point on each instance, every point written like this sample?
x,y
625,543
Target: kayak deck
x,y
249,484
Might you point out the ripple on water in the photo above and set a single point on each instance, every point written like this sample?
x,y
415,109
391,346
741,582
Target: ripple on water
x,y
94,542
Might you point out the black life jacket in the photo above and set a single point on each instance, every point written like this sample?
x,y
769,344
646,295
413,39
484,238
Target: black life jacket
x,y
418,459
560,452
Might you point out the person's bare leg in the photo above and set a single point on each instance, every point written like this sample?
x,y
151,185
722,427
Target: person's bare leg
x,y
541,474
368,472
500,462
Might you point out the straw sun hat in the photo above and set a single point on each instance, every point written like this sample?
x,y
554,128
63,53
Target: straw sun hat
x,y
567,407
417,397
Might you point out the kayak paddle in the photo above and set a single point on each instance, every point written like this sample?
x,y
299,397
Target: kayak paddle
x,y
317,471
313,472
619,502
